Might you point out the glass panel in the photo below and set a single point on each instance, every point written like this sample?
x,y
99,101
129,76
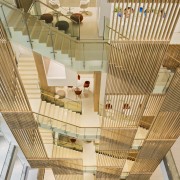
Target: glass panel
x,y
67,103
106,27
56,18
90,133
137,143
56,44
15,24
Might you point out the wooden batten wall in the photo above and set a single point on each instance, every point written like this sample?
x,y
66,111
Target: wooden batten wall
x,y
16,110
132,72
157,20
138,44
172,58
15,106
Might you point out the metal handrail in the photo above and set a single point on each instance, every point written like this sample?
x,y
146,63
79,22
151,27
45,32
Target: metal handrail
x,y
59,100
63,121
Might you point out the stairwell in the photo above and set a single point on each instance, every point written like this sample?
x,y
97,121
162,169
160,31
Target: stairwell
x,y
29,76
49,41
58,113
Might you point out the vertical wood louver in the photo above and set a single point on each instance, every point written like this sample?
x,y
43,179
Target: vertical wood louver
x,y
144,20
130,81
15,106
139,42
16,110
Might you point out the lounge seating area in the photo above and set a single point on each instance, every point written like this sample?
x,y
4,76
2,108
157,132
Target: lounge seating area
x,y
84,12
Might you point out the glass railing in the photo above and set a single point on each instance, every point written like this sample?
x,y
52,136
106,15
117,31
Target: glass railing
x,y
29,31
162,82
39,8
73,146
137,144
124,175
74,131
85,133
75,106
106,28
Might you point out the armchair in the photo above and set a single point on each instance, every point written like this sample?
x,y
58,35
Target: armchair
x,y
54,4
86,84
84,5
78,92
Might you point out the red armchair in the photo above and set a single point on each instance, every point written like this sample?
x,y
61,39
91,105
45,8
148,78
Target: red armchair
x,y
86,84
78,93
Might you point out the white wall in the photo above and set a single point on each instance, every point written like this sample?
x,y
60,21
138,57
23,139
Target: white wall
x,y
59,75
104,9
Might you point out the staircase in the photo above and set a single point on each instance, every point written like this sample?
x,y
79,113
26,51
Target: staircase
x,y
62,152
29,76
58,113
69,177
55,151
46,39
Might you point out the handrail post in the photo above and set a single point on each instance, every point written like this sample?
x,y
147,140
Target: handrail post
x,y
24,19
79,30
84,133
83,57
104,28
52,42
71,53
6,21
102,62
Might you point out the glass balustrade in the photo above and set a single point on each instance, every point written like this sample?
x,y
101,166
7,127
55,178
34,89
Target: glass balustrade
x,y
56,17
44,38
70,104
74,131
66,128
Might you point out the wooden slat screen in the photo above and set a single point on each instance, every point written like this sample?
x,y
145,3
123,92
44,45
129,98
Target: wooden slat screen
x,y
108,173
133,66
154,149
59,166
69,177
156,21
132,72
166,126
163,132
154,104
15,106
113,159
20,120
139,177
30,142
112,139
144,166
172,58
